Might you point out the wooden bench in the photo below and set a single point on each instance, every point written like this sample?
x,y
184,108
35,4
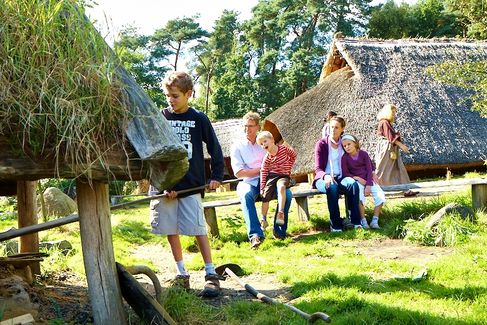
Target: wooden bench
x,y
479,197
301,198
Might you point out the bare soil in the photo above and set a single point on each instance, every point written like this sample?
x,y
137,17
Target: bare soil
x,y
64,296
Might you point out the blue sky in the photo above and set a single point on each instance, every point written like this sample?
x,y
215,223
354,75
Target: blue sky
x,y
148,15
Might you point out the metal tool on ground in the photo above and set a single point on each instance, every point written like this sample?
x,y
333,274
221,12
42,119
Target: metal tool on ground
x,y
310,318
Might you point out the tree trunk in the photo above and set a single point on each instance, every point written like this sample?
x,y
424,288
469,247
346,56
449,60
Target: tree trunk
x,y
96,241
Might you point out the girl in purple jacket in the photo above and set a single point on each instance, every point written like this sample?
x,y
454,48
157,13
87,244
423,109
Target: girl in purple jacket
x,y
357,167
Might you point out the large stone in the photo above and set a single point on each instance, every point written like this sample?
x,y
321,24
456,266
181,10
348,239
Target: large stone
x,y
464,212
57,203
14,297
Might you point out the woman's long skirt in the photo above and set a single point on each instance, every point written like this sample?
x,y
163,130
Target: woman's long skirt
x,y
389,171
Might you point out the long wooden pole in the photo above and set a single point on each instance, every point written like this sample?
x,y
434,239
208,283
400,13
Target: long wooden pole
x,y
27,209
98,256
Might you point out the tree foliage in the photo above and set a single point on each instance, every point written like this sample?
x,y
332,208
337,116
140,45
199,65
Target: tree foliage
x,y
131,48
427,18
470,75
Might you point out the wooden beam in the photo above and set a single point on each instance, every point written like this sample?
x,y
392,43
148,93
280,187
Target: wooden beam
x,y
479,196
303,211
210,217
27,209
98,256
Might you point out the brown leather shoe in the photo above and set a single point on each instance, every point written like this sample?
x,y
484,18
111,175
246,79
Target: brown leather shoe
x,y
212,286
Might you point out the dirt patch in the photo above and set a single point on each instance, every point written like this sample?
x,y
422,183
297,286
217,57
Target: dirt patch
x,y
396,249
231,290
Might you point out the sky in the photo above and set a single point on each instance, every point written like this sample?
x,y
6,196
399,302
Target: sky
x,y
148,15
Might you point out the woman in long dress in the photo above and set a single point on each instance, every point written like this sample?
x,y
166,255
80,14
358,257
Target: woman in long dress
x,y
390,169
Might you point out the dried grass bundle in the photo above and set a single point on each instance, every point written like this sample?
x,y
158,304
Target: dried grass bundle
x,y
59,96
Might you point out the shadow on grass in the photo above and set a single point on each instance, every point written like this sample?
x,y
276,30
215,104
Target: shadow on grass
x,y
367,285
359,311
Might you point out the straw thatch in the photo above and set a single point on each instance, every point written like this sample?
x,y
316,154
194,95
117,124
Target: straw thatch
x,y
68,108
362,75
227,131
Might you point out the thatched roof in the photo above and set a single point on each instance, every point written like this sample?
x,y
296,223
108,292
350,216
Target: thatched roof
x,y
69,109
362,75
227,131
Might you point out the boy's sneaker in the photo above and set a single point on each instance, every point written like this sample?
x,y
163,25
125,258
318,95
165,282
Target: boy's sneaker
x,y
280,218
374,224
263,223
335,230
180,281
364,223
212,286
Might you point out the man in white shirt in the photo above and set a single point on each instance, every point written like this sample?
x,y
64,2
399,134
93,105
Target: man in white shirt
x,y
246,158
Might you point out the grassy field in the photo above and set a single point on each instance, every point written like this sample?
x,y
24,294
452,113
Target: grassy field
x,y
356,277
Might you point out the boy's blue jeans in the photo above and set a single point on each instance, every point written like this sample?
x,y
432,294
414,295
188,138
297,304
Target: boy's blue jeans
x,y
248,194
333,192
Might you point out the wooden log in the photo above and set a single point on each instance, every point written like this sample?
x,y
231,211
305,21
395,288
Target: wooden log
x,y
19,320
13,233
210,217
148,131
479,196
145,306
27,209
303,211
98,256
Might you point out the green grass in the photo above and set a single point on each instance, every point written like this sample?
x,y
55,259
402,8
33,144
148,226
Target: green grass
x,y
326,272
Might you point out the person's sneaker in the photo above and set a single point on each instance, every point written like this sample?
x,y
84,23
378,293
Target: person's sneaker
x,y
255,242
263,223
335,230
180,281
357,227
212,286
374,224
280,218
347,224
364,224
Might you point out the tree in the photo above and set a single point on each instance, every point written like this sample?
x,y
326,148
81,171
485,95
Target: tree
x,y
470,75
212,55
174,36
472,15
390,21
131,48
427,18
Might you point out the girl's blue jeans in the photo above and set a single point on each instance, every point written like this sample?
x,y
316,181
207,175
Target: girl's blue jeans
x,y
333,192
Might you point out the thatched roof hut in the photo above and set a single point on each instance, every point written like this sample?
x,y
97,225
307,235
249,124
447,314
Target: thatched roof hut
x,y
227,131
361,75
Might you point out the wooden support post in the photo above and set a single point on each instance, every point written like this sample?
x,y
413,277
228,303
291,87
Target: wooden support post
x,y
27,209
479,196
303,212
210,216
98,256
311,177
